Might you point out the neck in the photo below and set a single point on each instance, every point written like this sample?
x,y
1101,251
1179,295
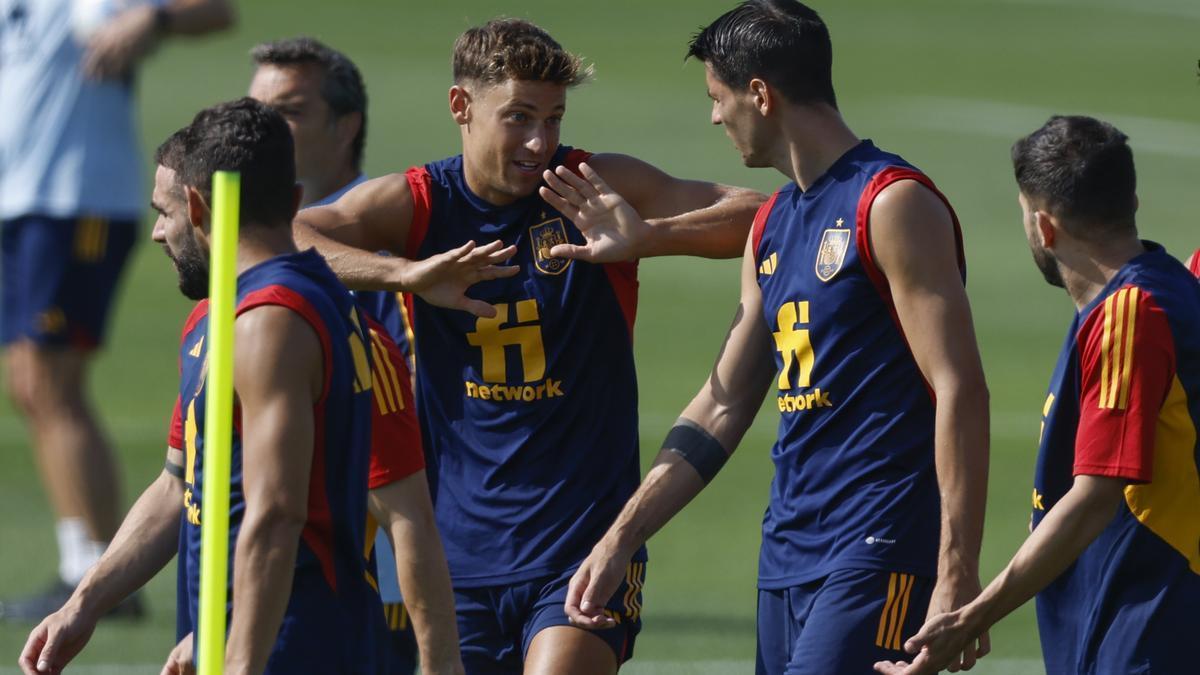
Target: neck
x,y
480,187
813,138
1086,270
321,187
258,244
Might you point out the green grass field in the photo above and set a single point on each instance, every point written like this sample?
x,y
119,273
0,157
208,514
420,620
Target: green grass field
x,y
949,84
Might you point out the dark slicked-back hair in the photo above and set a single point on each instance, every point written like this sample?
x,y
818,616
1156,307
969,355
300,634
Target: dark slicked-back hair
x,y
781,42
342,86
514,49
251,138
1081,170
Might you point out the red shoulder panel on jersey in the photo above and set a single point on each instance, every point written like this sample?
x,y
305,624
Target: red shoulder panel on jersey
x,y
422,205
862,236
574,158
1193,263
318,528
286,297
1127,363
622,276
175,433
396,449
760,225
198,312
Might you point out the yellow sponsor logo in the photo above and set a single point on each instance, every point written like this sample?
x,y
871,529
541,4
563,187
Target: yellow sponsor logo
x,y
526,393
193,509
804,401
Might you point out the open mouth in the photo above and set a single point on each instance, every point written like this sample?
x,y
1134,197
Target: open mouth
x,y
528,168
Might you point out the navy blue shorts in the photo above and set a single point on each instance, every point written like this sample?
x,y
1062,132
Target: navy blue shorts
x,y
496,624
841,624
59,278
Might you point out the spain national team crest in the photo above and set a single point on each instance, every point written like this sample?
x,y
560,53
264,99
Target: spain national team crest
x,y
832,251
543,237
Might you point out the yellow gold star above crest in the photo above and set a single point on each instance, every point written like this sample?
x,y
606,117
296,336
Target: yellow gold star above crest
x,y
839,222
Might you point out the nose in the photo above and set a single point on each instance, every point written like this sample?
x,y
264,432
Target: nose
x,y
716,114
159,233
536,141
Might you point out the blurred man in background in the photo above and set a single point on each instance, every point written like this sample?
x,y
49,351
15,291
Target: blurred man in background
x,y
70,198
320,92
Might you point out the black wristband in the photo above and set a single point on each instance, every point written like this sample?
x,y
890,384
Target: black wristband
x,y
697,447
174,469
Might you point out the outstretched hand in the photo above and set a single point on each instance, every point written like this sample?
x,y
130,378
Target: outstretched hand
x,y
596,580
611,227
443,279
940,644
181,659
56,640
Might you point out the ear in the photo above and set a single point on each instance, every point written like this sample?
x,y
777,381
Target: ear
x,y
198,213
1047,229
761,96
460,105
347,128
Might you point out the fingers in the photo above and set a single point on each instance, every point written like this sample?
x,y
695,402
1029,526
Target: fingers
x,y
497,272
583,187
985,646
494,253
571,251
479,308
575,597
32,651
890,667
594,178
559,203
592,605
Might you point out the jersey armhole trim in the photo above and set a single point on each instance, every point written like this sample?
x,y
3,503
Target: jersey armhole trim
x,y
419,185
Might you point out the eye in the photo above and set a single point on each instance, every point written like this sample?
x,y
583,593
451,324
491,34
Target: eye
x,y
517,116
554,121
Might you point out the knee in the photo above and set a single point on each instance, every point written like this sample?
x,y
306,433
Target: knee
x,y
43,383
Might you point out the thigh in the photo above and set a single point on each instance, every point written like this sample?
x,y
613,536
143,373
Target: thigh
x,y
624,607
100,251
856,618
488,647
775,627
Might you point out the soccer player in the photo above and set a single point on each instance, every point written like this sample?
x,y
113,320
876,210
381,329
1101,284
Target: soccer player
x,y
528,400
1112,556
320,92
70,199
853,305
300,453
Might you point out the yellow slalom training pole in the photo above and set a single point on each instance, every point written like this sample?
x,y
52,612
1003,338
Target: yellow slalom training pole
x,y
218,422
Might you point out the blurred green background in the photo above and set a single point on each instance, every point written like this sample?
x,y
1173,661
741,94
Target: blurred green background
x,y
949,84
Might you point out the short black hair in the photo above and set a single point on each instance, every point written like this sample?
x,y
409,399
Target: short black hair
x,y
782,42
342,86
1081,170
249,137
170,154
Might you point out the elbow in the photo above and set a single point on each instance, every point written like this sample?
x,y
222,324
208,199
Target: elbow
x,y
277,519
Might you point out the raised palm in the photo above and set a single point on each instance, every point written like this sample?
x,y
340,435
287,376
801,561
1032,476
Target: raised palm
x,y
612,229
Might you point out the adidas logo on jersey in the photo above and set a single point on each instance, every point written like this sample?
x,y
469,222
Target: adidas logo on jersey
x,y
768,266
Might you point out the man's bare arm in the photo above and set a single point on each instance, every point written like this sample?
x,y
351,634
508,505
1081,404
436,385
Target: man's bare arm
x,y
376,216
913,240
709,429
144,544
1062,536
277,378
628,209
405,511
